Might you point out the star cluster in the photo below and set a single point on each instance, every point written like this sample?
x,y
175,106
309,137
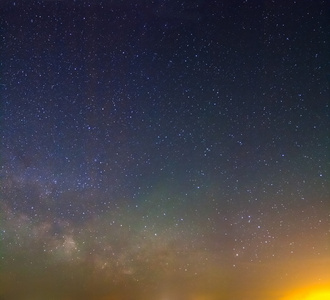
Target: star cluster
x,y
164,149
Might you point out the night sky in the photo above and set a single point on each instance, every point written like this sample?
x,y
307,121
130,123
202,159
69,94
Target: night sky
x,y
165,150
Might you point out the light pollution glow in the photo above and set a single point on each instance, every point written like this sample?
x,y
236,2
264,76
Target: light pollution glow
x,y
310,293
62,268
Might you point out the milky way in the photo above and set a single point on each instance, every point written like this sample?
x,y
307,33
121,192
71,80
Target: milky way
x,y
164,149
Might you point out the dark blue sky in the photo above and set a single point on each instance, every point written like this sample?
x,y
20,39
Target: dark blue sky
x,y
164,145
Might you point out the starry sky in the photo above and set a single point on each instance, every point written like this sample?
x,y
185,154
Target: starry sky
x,y
164,150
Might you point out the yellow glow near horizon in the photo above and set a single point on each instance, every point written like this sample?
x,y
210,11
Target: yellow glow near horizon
x,y
309,294
319,295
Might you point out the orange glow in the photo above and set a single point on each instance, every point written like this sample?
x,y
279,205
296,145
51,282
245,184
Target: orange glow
x,y
314,293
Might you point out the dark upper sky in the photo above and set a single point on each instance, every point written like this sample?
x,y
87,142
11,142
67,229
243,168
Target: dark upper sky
x,y
164,149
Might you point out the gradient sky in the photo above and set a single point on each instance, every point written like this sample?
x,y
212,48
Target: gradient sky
x,y
165,150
